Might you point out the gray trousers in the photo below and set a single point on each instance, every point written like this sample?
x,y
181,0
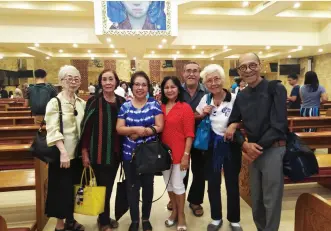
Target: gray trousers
x,y
267,185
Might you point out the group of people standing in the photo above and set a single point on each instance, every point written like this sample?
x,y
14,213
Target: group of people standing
x,y
103,133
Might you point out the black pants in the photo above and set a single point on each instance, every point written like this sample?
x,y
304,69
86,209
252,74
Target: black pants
x,y
231,167
134,182
105,175
197,190
60,192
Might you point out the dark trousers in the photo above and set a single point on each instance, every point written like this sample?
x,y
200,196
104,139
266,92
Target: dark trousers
x,y
60,192
134,182
197,190
105,175
231,169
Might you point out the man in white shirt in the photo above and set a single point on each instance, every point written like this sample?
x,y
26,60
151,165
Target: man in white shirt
x,y
120,91
91,89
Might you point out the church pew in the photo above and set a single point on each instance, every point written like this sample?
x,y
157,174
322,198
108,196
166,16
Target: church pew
x,y
18,134
3,107
13,104
3,226
17,180
18,109
314,140
12,100
312,213
298,123
296,112
12,121
14,113
326,105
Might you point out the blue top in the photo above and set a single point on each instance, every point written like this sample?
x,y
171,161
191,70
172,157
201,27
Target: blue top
x,y
138,117
311,98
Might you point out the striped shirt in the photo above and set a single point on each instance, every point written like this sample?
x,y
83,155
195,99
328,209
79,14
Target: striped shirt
x,y
144,116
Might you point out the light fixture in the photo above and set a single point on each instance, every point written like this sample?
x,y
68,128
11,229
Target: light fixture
x,y
88,51
116,51
92,58
289,56
134,58
178,52
202,52
260,53
193,47
296,5
164,41
61,51
175,58
75,45
212,58
1,57
267,47
111,46
109,40
245,3
36,44
47,57
320,50
153,52
160,46
299,47
225,47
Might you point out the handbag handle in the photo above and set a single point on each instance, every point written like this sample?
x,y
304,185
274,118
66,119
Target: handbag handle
x,y
43,122
92,176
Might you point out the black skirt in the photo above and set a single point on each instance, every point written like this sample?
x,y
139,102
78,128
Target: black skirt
x,y
60,195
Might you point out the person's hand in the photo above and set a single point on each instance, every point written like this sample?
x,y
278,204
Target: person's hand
x,y
207,110
140,131
251,150
184,164
64,160
228,135
134,136
85,158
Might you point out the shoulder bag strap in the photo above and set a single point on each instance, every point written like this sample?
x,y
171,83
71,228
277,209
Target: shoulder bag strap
x,y
60,114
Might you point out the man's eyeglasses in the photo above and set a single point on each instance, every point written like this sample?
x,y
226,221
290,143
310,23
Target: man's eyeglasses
x,y
137,85
190,71
251,66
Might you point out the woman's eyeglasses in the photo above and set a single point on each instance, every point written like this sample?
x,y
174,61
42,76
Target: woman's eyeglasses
x,y
70,79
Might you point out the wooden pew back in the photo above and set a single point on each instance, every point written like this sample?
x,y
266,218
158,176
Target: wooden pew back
x,y
14,113
12,121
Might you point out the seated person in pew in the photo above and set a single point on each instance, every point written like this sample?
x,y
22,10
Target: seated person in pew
x,y
38,95
263,111
3,92
312,95
64,173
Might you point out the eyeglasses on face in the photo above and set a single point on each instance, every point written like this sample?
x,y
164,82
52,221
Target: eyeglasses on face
x,y
72,79
216,80
245,67
190,71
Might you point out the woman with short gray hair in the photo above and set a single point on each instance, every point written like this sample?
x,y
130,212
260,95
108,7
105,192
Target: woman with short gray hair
x,y
64,172
220,153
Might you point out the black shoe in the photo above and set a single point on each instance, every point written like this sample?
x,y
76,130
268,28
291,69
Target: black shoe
x,y
147,225
212,227
134,226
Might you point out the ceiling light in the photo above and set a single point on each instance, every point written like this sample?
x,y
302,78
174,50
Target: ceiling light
x,y
260,53
289,56
299,47
61,51
116,51
111,46
75,45
47,57
212,58
153,52
178,52
320,50
36,44
88,51
92,58
160,46
225,47
175,58
109,40
297,5
267,47
164,41
193,47
245,3
202,52
1,57
134,58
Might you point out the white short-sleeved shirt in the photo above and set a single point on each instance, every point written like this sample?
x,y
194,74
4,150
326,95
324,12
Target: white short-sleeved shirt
x,y
220,115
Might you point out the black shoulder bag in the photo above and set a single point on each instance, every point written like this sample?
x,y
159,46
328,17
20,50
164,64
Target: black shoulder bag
x,y
39,147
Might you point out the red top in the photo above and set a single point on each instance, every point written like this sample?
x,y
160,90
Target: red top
x,y
178,125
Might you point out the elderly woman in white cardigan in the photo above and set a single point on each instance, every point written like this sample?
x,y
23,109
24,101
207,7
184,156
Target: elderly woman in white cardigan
x,y
64,173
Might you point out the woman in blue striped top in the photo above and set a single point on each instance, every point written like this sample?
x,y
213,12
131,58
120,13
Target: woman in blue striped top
x,y
134,119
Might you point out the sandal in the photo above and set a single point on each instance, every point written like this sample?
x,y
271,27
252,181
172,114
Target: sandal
x,y
134,226
181,228
147,226
113,223
169,223
169,206
73,226
197,208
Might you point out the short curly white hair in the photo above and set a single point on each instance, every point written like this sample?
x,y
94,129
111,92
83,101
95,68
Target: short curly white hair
x,y
68,70
211,68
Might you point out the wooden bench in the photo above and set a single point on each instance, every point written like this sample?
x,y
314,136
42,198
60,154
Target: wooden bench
x,y
312,213
18,109
3,107
326,105
3,226
296,112
15,113
13,104
17,180
299,123
12,121
18,134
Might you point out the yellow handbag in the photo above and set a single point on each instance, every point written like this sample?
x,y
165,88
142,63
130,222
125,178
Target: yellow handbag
x,y
89,199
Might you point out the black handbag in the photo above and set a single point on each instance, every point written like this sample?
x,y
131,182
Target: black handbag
x,y
121,201
39,147
152,157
